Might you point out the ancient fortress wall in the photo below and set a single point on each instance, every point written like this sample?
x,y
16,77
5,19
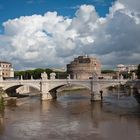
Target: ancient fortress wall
x,y
84,67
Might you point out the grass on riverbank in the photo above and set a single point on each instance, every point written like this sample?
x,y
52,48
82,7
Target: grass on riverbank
x,y
73,89
2,106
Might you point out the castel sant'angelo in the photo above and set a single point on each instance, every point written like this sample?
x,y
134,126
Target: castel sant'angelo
x,y
84,67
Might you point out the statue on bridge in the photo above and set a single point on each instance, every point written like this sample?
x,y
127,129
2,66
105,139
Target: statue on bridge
x,y
44,76
1,78
52,75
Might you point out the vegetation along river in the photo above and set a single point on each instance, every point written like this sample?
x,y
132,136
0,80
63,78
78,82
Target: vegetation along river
x,y
72,117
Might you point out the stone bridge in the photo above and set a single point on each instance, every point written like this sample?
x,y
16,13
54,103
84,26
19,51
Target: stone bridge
x,y
48,87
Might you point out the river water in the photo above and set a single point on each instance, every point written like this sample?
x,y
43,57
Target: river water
x,y
72,117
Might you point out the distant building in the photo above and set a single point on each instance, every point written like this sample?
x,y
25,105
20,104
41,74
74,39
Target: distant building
x,y
108,76
6,69
84,67
59,70
126,68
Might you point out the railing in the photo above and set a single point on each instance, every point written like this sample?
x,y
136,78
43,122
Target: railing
x,y
62,80
17,81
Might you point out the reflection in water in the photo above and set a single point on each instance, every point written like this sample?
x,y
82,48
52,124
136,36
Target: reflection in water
x,y
72,117
2,123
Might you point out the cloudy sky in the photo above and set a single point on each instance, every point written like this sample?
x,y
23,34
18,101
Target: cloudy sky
x,y
50,33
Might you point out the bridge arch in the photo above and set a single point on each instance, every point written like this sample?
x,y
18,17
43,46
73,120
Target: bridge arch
x,y
55,84
105,86
11,89
53,91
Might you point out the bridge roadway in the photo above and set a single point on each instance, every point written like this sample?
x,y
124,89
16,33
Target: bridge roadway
x,y
48,87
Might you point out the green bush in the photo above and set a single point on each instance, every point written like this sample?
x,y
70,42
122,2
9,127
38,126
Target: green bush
x,y
138,71
1,104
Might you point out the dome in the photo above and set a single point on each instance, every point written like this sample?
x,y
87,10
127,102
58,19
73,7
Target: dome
x,y
120,65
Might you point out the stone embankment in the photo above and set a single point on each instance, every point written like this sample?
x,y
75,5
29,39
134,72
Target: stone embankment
x,y
136,89
137,84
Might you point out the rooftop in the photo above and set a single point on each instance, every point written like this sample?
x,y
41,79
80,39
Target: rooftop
x,y
5,62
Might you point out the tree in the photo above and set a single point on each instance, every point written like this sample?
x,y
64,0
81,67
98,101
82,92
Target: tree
x,y
138,71
107,71
36,73
1,99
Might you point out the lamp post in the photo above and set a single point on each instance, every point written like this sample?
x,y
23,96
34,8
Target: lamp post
x,y
94,75
1,77
92,87
95,86
128,74
119,90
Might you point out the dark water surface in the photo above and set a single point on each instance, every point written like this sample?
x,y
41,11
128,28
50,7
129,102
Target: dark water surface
x,y
72,117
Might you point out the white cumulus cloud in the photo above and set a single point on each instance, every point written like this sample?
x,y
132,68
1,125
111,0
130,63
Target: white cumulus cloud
x,y
51,40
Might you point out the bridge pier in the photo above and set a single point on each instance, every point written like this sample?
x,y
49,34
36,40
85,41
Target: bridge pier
x,y
46,96
49,95
131,90
95,96
95,91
